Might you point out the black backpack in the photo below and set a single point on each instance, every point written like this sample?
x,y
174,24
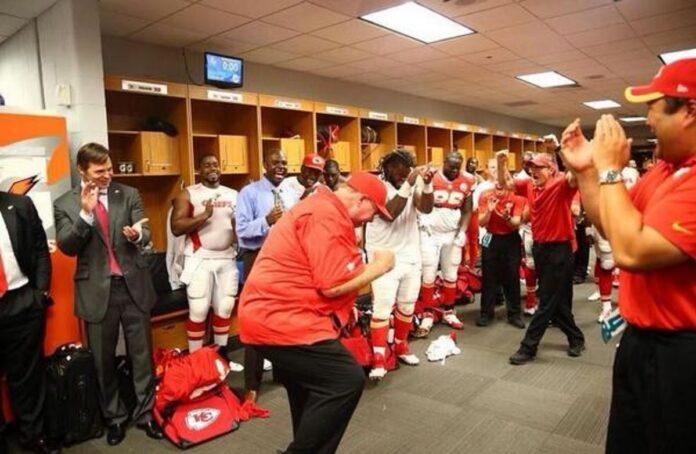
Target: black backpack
x,y
72,413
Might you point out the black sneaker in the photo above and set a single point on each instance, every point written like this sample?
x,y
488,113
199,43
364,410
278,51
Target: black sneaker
x,y
483,320
521,357
516,322
576,350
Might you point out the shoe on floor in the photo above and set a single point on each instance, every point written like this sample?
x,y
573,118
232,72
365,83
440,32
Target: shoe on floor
x,y
594,297
530,310
605,314
379,369
521,357
578,280
267,365
576,350
404,354
483,320
235,367
425,326
450,318
516,322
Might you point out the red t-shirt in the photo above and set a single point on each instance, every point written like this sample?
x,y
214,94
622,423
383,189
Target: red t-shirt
x,y
508,202
311,248
665,298
550,208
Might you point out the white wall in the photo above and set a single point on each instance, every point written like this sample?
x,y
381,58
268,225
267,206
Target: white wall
x,y
20,78
128,58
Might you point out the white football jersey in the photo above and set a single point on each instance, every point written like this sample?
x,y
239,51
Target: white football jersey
x,y
215,238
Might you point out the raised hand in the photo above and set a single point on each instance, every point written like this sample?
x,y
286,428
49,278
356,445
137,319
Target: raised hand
x,y
610,147
89,197
132,232
576,151
209,205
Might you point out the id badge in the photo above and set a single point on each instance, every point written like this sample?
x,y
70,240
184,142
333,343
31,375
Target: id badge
x,y
486,240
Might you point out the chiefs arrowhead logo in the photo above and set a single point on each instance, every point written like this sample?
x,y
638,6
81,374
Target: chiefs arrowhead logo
x,y
23,186
200,418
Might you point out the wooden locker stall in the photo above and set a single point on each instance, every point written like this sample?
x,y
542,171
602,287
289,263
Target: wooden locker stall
x,y
288,124
347,149
439,141
411,136
515,156
383,124
483,147
463,140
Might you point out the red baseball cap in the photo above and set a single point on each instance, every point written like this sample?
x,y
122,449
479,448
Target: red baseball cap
x,y
371,187
678,79
314,161
544,160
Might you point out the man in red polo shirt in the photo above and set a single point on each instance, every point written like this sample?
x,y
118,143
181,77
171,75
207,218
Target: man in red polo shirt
x,y
299,295
500,213
652,232
550,194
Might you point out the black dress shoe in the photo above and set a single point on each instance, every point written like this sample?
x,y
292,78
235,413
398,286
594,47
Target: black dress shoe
x,y
483,321
115,434
521,357
516,322
151,429
576,350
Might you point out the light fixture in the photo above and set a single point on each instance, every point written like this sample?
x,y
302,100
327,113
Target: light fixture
x,y
669,57
602,104
418,22
632,119
547,79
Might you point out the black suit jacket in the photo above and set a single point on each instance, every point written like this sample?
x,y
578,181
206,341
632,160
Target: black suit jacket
x,y
28,239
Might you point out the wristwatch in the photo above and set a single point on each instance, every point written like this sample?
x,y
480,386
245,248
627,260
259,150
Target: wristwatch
x,y
610,176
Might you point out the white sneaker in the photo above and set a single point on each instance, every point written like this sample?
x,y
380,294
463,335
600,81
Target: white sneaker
x,y
267,365
235,367
530,310
404,354
451,319
605,314
425,326
594,297
379,369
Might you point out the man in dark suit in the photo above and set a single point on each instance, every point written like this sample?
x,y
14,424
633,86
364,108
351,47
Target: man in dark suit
x,y
102,223
25,277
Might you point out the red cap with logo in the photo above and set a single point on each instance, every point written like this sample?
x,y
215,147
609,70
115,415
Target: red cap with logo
x,y
371,187
544,160
678,79
314,161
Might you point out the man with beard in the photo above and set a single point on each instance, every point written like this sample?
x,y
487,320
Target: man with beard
x,y
652,232
408,189
259,207
308,178
204,212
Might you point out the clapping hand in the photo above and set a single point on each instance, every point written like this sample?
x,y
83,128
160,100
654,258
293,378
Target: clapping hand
x,y
133,232
610,147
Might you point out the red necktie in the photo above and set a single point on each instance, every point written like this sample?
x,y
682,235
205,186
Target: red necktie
x,y
3,278
103,219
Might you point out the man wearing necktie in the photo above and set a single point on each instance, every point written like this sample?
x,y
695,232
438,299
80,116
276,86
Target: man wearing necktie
x,y
102,223
25,276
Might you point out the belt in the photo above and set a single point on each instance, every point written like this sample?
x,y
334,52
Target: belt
x,y
117,277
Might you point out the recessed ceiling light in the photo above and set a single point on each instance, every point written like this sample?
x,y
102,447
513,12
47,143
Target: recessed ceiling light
x,y
602,104
652,140
547,79
632,119
669,57
418,22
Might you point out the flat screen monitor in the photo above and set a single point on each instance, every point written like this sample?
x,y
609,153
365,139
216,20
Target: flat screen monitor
x,y
223,71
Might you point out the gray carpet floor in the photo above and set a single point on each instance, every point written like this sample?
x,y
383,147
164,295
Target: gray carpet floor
x,y
475,402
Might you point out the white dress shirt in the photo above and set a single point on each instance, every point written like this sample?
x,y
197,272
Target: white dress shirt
x,y
15,277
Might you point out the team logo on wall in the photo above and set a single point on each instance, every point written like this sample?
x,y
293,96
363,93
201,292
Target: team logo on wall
x,y
200,418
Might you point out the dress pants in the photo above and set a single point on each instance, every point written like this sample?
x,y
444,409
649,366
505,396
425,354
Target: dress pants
x,y
103,337
324,385
501,267
253,361
554,265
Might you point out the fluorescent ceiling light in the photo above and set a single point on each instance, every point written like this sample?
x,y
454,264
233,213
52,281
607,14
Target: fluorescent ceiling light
x,y
632,119
602,104
652,140
669,57
547,79
418,22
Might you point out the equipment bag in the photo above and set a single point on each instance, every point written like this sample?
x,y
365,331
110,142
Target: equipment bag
x,y
72,412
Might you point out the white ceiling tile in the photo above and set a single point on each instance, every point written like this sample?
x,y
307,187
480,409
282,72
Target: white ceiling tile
x,y
305,17
490,56
223,45
550,58
374,63
268,56
635,55
495,18
665,22
24,8
387,44
530,39
680,38
250,8
164,35
356,8
638,9
545,8
10,24
586,20
601,35
465,45
115,24
615,47
449,65
518,66
418,54
460,8
259,33
345,54
350,32
337,71
205,20
304,64
305,45
150,9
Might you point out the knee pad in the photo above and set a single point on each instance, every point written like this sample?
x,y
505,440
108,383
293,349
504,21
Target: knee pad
x,y
406,308
429,264
384,291
199,293
450,261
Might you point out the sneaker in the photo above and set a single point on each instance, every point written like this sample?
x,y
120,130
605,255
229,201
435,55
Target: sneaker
x,y
425,326
605,314
404,354
576,350
516,322
578,280
530,310
483,320
594,297
267,365
521,357
236,367
379,369
450,318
